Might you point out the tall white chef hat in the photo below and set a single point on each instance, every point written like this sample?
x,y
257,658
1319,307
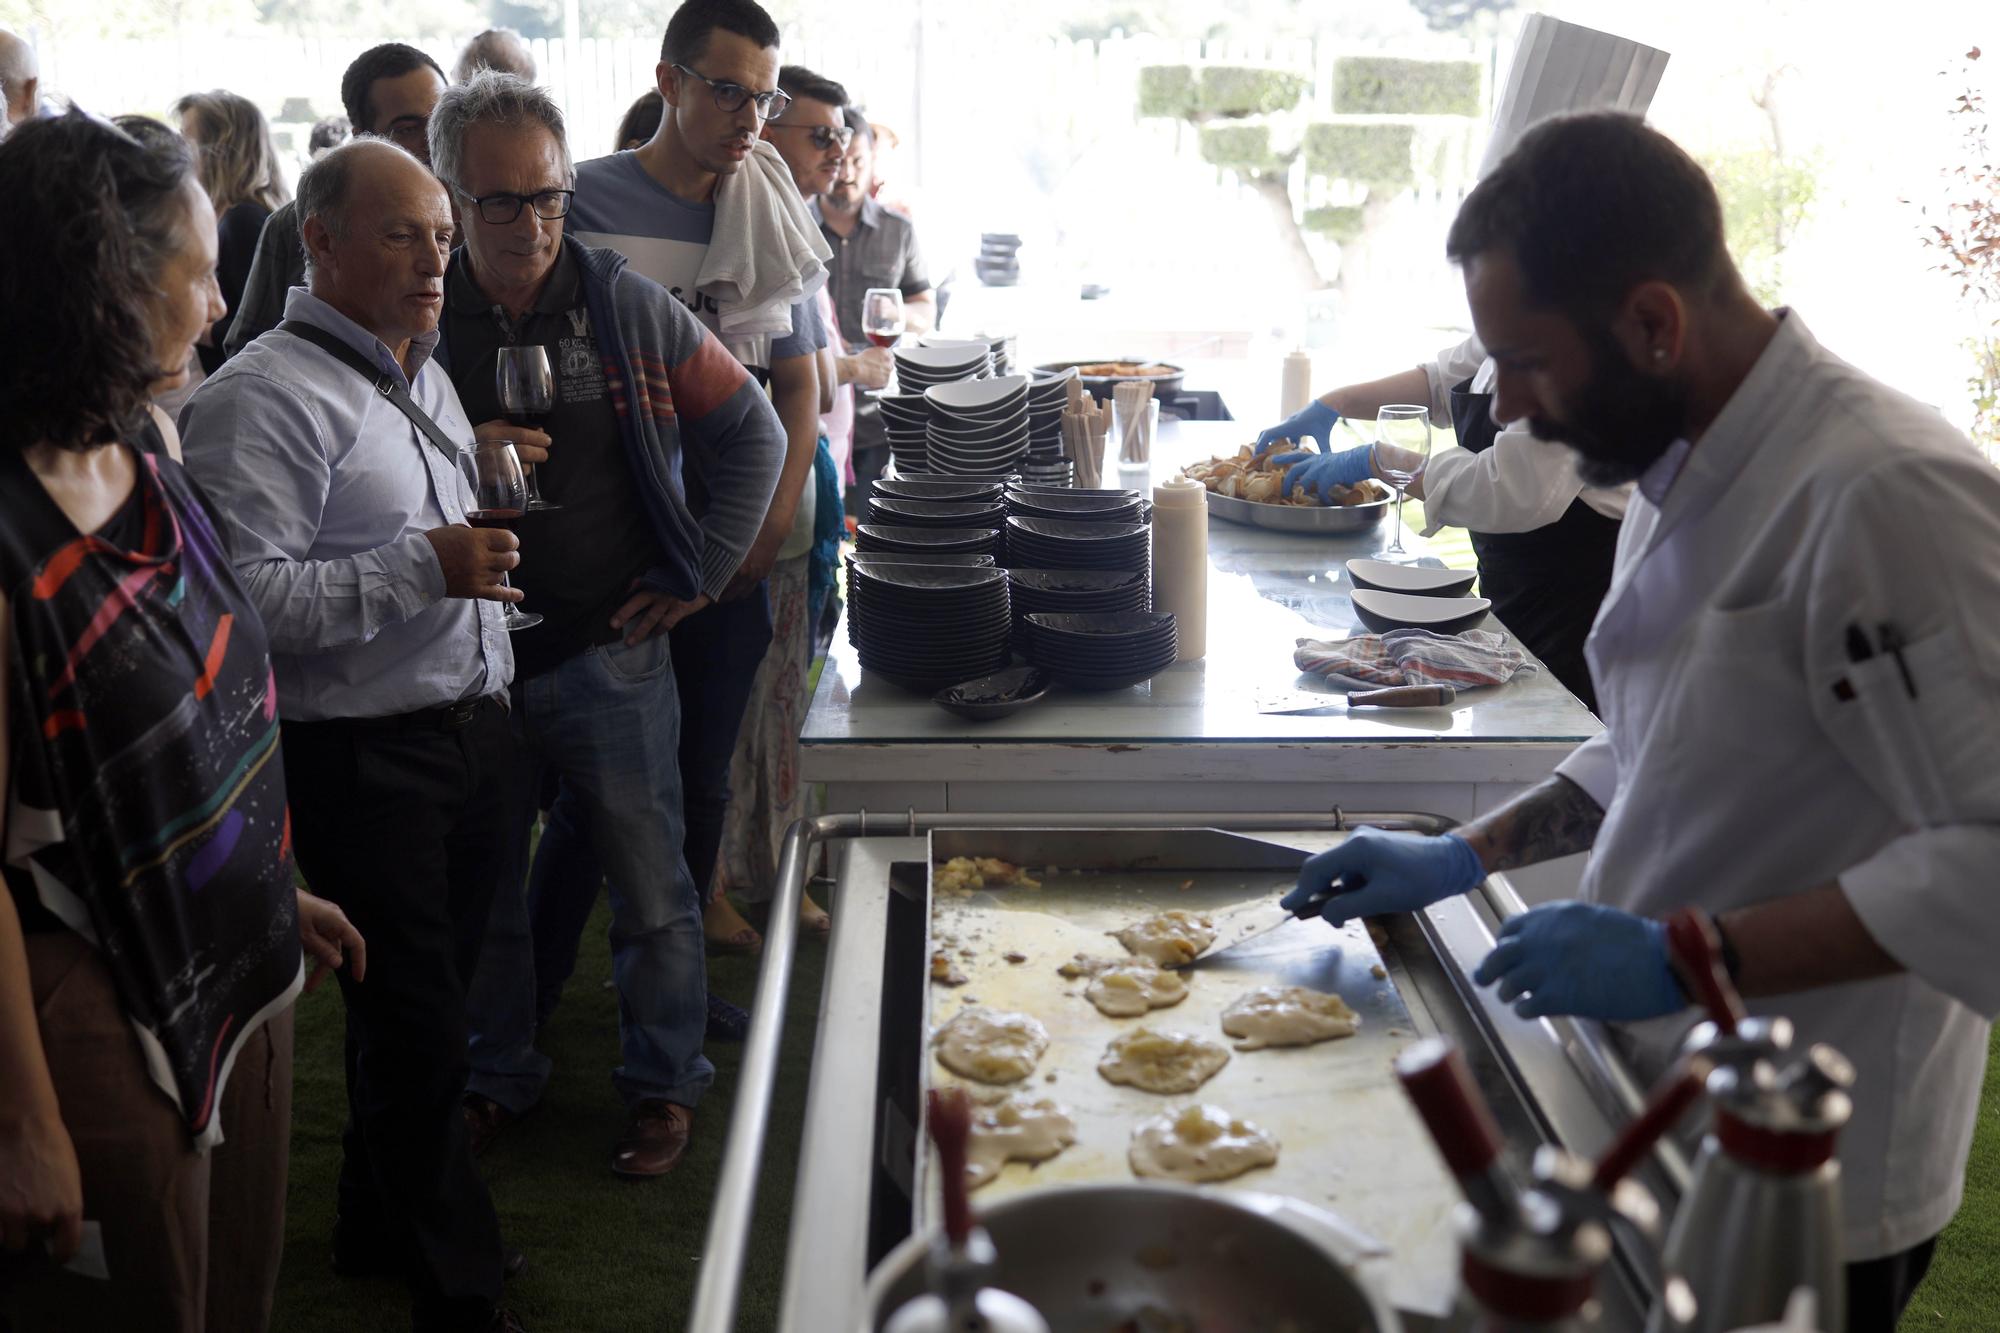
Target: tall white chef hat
x,y
1562,67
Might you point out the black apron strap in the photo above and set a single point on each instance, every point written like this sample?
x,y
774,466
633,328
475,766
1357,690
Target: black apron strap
x,y
385,383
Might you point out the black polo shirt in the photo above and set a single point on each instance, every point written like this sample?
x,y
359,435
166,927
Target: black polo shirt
x,y
578,562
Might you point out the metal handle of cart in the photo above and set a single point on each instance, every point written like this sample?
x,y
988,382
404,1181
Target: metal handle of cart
x,y
725,1252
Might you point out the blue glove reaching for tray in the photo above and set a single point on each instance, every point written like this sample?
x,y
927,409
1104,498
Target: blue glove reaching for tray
x,y
1586,960
1315,421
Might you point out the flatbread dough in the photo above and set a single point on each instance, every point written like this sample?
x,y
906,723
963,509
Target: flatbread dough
x,y
962,875
1128,990
1162,1061
1171,939
990,1045
1198,1144
1086,965
1287,1016
1016,1130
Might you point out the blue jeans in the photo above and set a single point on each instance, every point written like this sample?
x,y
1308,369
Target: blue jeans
x,y
716,655
608,722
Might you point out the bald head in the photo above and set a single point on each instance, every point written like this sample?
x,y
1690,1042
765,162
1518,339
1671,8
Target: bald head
x,y
377,229
20,79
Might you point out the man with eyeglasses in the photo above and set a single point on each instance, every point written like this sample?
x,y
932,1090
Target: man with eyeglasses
x,y
388,91
657,205
872,247
642,394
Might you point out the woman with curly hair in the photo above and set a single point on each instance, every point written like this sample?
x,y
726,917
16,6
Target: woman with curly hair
x,y
150,929
238,165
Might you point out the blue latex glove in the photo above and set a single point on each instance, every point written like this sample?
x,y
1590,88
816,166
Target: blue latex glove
x,y
1376,871
1583,959
1315,421
1317,474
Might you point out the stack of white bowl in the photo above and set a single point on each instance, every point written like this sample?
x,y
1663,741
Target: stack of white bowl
x,y
946,362
1046,463
906,420
978,427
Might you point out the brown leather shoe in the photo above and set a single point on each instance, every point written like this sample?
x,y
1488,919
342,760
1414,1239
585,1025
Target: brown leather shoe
x,y
484,1119
654,1140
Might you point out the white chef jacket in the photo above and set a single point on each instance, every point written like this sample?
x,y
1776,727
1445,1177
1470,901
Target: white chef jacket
x,y
1519,484
1731,773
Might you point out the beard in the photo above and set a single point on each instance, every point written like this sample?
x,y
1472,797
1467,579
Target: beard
x,y
1622,419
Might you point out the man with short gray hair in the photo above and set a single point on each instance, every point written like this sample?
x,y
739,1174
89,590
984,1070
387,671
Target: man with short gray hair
x,y
20,81
331,446
642,395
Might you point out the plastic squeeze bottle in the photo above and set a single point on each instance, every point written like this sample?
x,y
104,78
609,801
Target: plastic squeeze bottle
x,y
1296,388
1180,562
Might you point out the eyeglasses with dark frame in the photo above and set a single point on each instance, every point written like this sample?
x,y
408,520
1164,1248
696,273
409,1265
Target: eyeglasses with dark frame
x,y
501,209
732,96
824,136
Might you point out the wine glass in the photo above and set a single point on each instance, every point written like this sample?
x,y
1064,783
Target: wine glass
x,y
527,395
499,497
1402,443
882,315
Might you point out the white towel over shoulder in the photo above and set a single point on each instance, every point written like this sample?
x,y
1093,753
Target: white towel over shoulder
x,y
766,254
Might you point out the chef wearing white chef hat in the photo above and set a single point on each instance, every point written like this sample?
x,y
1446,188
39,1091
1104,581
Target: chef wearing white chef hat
x,y
1544,536
1799,667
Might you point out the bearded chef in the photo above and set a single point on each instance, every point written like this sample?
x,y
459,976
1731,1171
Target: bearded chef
x,y
1798,663
1544,536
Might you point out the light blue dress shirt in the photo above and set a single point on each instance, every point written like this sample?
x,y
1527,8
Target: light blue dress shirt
x,y
326,491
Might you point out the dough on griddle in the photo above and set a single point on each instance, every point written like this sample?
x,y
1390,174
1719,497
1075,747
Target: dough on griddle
x,y
990,1045
1018,1129
1086,965
1287,1016
1170,939
1164,1062
1199,1143
1129,990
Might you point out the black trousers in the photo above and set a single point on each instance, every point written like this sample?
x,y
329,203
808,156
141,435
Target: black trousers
x,y
1878,1290
403,823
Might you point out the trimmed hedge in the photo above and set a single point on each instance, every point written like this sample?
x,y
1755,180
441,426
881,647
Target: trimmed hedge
x,y
1238,147
1386,86
1167,90
1340,223
1375,155
1248,90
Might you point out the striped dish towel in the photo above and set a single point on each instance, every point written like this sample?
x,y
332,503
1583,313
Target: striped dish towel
x,y
1413,657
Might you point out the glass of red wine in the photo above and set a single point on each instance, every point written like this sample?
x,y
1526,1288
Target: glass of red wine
x,y
882,315
499,497
527,396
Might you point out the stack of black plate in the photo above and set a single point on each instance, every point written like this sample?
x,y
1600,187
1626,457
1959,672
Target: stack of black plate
x,y
927,626
978,427
999,262
943,492
936,514
906,420
1079,506
958,559
1072,591
926,541
1054,543
1102,651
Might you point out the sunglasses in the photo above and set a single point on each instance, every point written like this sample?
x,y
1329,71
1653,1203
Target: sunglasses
x,y
824,136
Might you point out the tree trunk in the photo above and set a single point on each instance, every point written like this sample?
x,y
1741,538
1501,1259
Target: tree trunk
x,y
1276,193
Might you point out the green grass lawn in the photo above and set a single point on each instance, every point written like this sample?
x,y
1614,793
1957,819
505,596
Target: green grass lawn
x,y
1963,1289
603,1253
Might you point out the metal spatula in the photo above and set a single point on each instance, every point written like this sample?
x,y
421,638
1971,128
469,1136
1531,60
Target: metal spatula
x,y
1251,923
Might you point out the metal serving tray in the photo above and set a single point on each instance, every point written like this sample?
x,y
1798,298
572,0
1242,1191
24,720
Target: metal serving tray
x,y
1299,518
1348,1139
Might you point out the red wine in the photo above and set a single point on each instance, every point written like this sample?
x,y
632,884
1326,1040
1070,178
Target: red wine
x,y
885,339
492,518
